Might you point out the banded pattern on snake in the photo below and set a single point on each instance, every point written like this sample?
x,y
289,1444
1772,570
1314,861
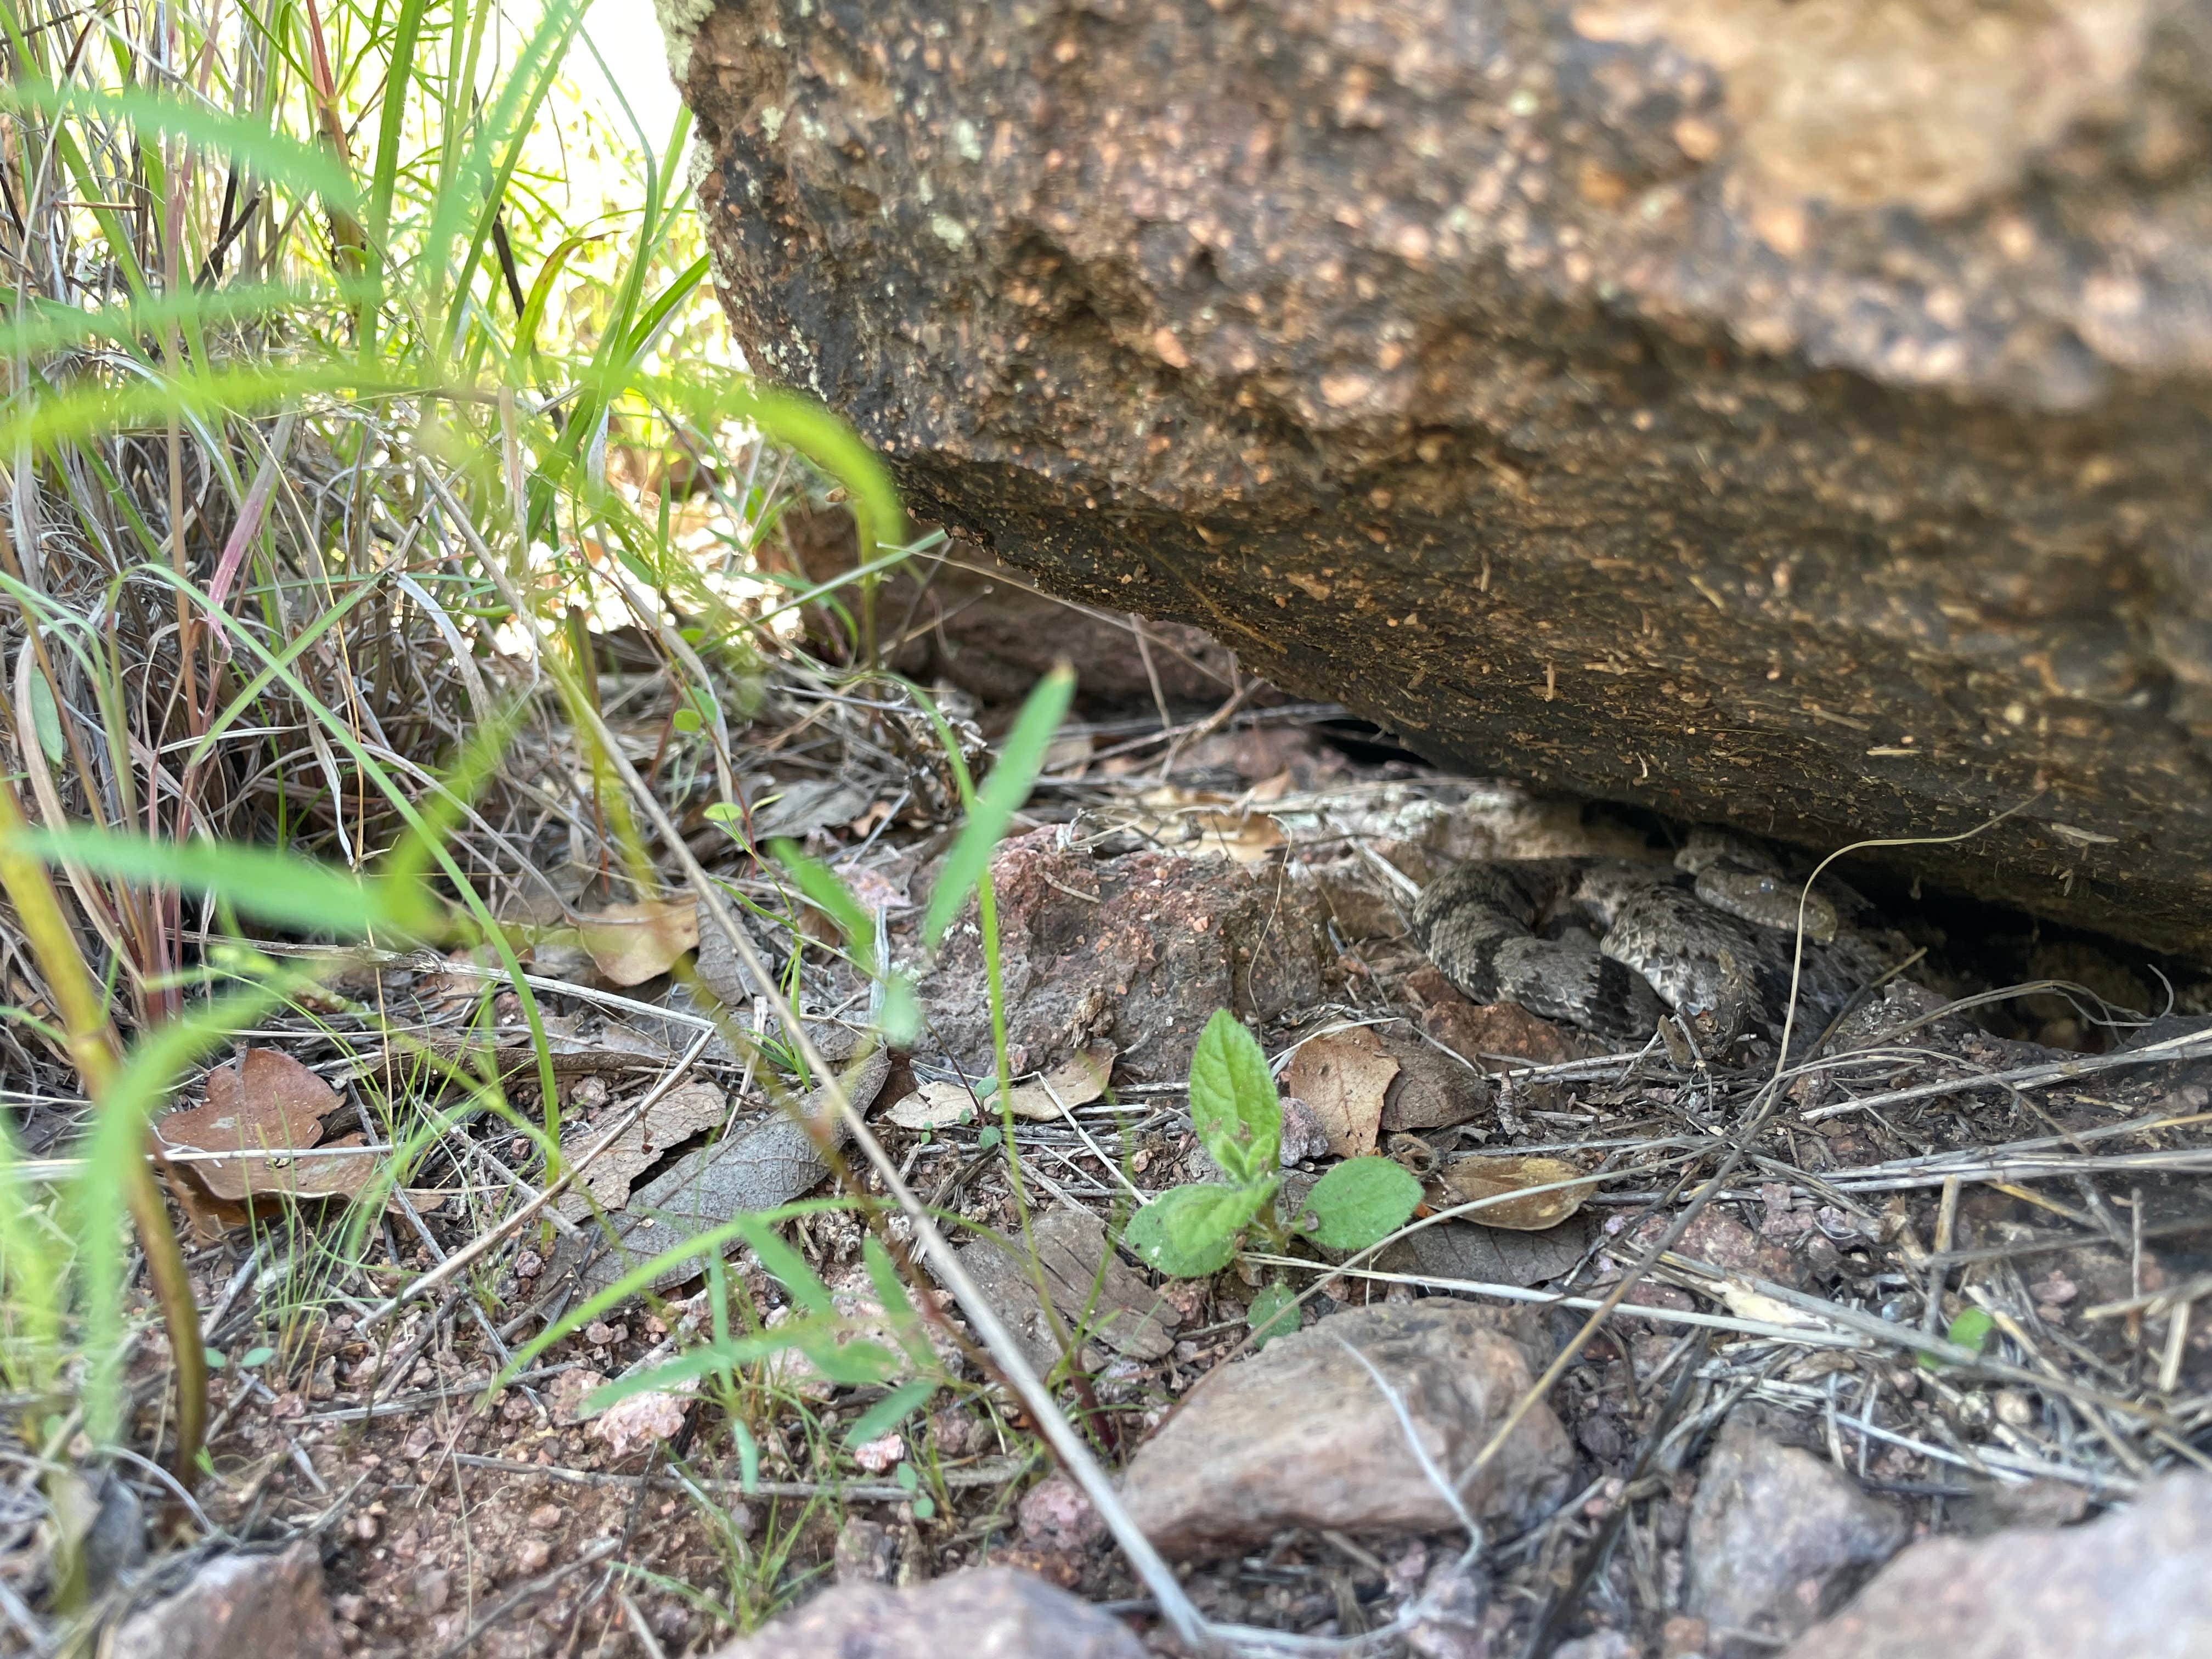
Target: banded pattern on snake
x,y
1609,945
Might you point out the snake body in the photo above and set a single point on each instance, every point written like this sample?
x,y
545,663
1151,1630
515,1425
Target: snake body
x,y
1610,944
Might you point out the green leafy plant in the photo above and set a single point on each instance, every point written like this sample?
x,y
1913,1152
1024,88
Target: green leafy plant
x,y
1192,1230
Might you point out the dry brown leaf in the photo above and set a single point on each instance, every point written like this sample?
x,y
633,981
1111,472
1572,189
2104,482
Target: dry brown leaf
x,y
631,944
673,1119
755,1166
1461,1250
932,1106
266,1109
798,808
1472,1179
1093,1288
1343,1076
1075,1082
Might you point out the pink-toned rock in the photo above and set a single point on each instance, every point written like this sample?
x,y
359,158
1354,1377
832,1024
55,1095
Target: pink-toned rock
x,y
238,1606
980,1612
1772,1530
1301,1435
2138,1583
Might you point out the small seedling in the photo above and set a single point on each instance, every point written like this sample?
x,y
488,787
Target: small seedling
x,y
1970,1329
1191,1231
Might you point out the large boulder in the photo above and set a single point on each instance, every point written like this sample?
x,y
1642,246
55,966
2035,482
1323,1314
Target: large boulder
x,y
1792,413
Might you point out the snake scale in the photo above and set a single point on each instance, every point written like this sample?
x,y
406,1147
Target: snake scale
x,y
1610,944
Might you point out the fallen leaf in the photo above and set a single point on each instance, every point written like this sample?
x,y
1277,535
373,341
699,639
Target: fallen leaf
x,y
267,1109
1343,1076
631,944
668,1122
800,808
1093,1290
1431,1091
1484,1255
720,968
755,1166
265,1099
932,1106
1075,1082
1475,1179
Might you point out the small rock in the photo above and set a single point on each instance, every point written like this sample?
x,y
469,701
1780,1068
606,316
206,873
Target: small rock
x,y
564,1397
1773,1527
957,1433
881,1455
2043,1502
1599,1644
865,1552
1299,1435
531,1557
238,1604
1453,1628
1054,1515
434,1589
978,1611
645,1419
1138,950
1303,1138
2138,1582
546,1516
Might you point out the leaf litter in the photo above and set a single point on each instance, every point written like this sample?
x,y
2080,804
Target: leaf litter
x,y
1849,1217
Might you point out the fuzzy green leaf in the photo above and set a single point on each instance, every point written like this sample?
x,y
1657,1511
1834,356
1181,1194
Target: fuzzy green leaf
x,y
1275,1312
1192,1231
1360,1202
1232,1101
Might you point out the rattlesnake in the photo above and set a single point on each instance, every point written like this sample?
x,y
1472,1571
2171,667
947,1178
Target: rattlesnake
x,y
1712,938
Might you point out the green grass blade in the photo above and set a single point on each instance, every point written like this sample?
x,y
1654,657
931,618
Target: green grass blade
x,y
1020,759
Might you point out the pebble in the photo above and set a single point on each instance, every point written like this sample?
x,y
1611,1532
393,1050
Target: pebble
x,y
2136,1581
1300,1435
977,1611
1773,1527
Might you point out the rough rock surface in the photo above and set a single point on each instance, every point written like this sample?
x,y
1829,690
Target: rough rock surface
x,y
1300,1436
1137,951
1644,397
985,1613
2138,1581
238,1605
1772,1530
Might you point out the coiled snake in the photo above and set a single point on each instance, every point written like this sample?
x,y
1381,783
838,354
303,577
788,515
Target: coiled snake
x,y
1609,945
